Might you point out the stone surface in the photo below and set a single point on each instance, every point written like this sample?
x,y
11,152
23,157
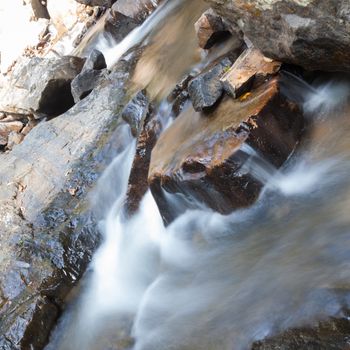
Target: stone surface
x,y
39,9
126,15
203,155
138,184
48,235
250,67
332,334
96,61
135,112
205,89
86,81
210,29
41,87
313,34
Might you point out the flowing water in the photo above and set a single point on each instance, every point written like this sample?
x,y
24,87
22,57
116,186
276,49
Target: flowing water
x,y
209,281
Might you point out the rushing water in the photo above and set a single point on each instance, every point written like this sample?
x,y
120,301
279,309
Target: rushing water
x,y
221,282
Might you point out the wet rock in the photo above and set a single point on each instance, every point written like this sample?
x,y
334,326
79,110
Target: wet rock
x,y
48,236
41,87
203,156
179,96
86,81
126,15
206,88
251,67
311,34
96,61
138,184
135,112
327,335
210,29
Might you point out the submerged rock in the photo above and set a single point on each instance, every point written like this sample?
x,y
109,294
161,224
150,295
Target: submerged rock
x,y
206,89
312,34
41,87
210,29
327,335
204,156
251,67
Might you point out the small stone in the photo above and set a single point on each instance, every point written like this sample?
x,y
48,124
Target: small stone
x,y
206,88
14,138
210,29
96,60
251,67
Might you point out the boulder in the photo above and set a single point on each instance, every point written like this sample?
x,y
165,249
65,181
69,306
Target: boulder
x,y
126,15
41,87
251,67
312,34
48,231
96,61
86,81
210,29
203,156
206,89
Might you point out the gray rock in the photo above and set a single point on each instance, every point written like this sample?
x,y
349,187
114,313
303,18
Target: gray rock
x,y
206,88
314,34
86,81
126,15
41,87
135,112
96,60
47,234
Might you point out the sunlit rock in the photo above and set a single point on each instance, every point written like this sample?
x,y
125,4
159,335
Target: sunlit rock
x,y
205,156
313,34
250,68
41,87
210,29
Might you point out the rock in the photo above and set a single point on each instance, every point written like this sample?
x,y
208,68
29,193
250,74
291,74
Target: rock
x,y
206,88
6,128
48,236
250,67
41,87
103,3
330,334
96,61
203,156
138,184
39,9
135,112
126,15
312,34
179,96
210,29
86,81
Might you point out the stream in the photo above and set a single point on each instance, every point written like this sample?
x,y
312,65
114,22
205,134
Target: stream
x,y
209,281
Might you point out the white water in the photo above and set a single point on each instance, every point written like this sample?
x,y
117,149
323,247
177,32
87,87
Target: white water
x,y
221,282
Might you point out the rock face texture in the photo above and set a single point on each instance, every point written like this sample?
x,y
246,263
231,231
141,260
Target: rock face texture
x,y
210,29
47,234
206,89
42,87
314,34
126,15
203,156
92,74
250,68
